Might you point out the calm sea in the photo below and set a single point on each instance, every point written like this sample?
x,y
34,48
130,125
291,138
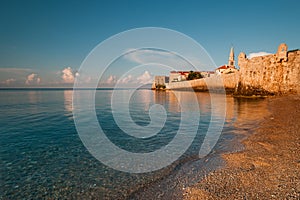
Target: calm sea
x,y
42,156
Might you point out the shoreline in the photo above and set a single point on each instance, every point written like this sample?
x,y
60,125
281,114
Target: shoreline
x,y
189,173
269,165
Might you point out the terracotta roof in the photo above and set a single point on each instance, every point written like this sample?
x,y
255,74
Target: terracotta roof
x,y
223,67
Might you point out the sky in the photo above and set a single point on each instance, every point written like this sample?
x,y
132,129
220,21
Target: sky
x,y
44,43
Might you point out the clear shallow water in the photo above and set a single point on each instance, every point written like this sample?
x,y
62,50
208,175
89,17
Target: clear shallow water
x,y
42,156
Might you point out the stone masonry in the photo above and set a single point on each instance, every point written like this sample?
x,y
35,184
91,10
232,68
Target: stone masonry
x,y
271,74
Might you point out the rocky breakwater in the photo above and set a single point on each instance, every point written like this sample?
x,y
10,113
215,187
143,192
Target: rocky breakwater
x,y
273,74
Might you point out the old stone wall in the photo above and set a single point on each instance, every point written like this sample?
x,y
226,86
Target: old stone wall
x,y
277,73
215,82
272,74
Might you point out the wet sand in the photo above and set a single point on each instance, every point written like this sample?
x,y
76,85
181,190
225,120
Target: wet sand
x,y
268,167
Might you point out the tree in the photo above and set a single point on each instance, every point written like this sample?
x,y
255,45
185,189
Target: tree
x,y
194,75
159,87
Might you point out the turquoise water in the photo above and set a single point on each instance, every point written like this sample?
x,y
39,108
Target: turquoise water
x,y
42,156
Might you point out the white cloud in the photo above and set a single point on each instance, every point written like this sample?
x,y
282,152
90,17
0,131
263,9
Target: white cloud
x,y
88,79
131,80
9,81
170,59
126,79
144,56
68,75
111,79
257,54
14,76
145,78
32,79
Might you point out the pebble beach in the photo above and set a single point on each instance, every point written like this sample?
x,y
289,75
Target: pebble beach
x,y
269,165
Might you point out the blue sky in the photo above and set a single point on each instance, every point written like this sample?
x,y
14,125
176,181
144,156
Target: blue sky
x,y
43,43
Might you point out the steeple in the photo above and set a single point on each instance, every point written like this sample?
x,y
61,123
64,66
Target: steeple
x,y
231,58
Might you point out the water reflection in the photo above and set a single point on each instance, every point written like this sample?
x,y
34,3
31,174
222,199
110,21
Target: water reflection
x,y
249,111
242,117
173,99
68,102
145,97
24,119
230,109
239,112
32,97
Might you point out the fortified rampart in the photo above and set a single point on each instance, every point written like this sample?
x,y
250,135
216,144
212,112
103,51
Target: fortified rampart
x,y
214,82
264,75
271,74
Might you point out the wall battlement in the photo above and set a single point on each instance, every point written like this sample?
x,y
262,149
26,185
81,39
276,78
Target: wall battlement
x,y
272,74
278,73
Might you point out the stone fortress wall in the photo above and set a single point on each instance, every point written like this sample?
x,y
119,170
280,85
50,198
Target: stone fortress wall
x,y
215,82
264,75
271,74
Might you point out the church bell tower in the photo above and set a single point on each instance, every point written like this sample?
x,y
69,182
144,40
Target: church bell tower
x,y
231,58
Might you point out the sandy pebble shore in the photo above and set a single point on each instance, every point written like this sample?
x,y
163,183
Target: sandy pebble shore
x,y
268,168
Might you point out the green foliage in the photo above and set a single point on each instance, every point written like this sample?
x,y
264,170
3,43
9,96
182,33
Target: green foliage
x,y
159,87
194,75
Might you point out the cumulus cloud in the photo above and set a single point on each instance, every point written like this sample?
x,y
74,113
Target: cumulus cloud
x,y
111,79
126,79
68,75
9,81
257,54
145,78
32,79
14,76
133,79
